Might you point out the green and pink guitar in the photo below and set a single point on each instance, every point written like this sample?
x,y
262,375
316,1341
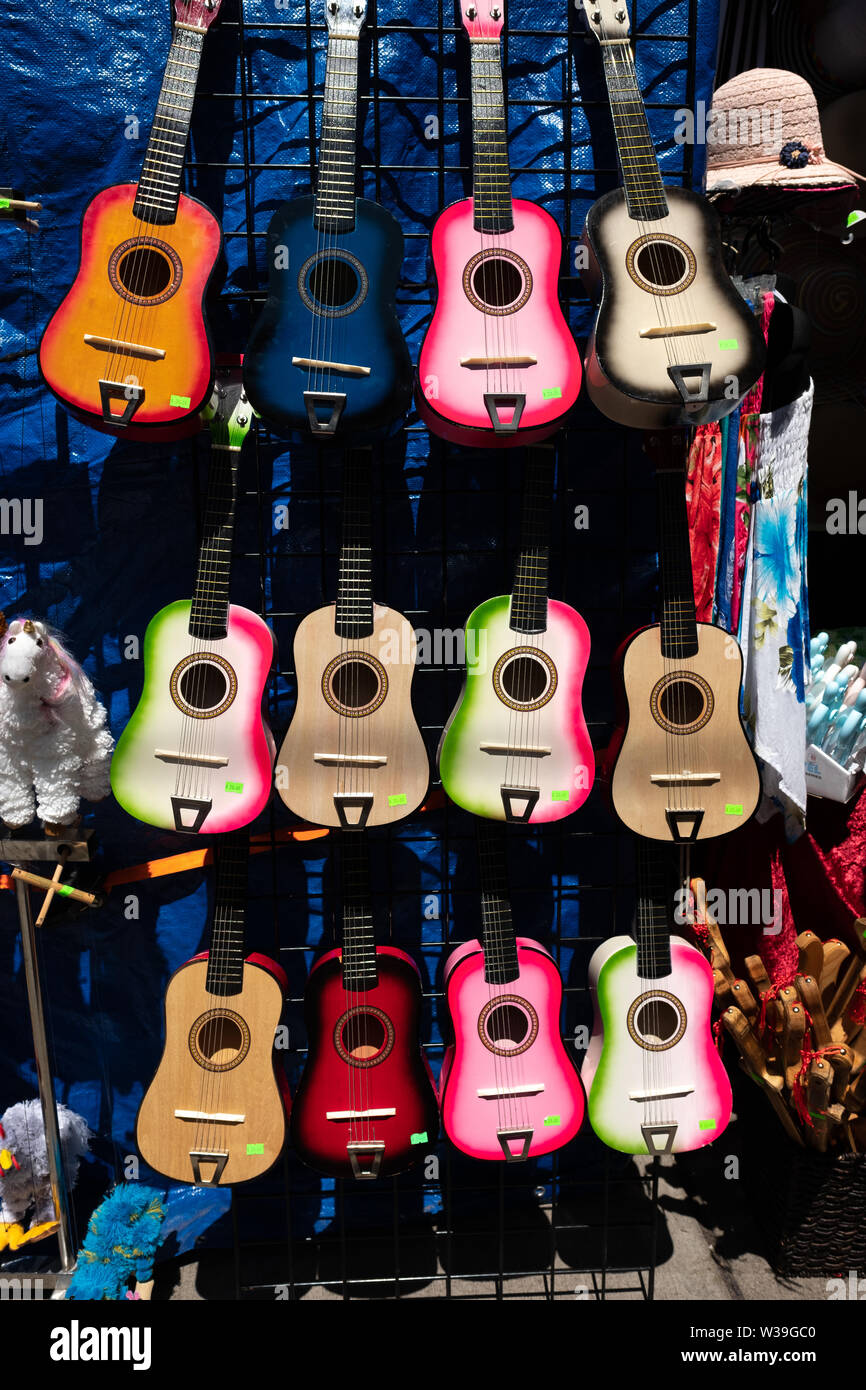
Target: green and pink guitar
x,y
197,754
516,746
653,1075
498,364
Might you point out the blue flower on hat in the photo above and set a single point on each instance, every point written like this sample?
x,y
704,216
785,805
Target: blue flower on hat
x,y
795,155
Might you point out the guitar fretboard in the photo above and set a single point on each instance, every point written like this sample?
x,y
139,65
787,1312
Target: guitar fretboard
x,y
354,614
652,920
498,941
225,966
644,190
209,612
335,186
162,171
491,174
359,967
679,631
529,593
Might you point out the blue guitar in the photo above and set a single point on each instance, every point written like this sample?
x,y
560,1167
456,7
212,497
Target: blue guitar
x,y
326,356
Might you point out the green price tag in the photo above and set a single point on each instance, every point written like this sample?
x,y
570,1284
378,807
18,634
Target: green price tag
x,y
706,1124
255,1148
728,344
551,393
5,202
853,218
64,890
418,1138
180,400
234,786
552,1119
732,810
559,796
399,800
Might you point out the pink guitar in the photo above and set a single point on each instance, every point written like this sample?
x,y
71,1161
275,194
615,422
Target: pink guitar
x,y
508,1089
498,364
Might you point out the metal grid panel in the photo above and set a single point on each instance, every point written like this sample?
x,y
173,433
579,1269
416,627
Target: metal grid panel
x,y
447,525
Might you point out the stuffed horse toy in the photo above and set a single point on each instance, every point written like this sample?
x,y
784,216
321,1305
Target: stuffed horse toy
x,y
54,745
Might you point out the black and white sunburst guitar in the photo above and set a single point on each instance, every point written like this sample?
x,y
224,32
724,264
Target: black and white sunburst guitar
x,y
674,343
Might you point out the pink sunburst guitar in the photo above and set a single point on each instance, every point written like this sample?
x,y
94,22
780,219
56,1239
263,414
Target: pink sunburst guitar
x,y
498,364
508,1089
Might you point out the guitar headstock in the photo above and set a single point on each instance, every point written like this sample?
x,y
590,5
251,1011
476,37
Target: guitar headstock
x,y
345,18
199,13
228,413
483,19
607,19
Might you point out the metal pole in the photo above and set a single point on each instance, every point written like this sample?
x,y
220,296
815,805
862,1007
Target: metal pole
x,y
56,1175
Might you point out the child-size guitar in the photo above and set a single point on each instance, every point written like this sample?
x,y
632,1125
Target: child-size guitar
x,y
683,768
353,755
498,364
326,356
674,342
215,1112
508,1089
365,1106
516,747
653,1075
197,754
128,350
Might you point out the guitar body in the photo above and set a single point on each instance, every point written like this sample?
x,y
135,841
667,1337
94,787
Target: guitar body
x,y
333,303
200,701
655,277
684,753
364,1054
497,298
654,1035
506,1037
353,741
529,700
152,305
218,1060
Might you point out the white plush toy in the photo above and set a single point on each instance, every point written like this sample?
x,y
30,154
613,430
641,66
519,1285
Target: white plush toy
x,y
54,746
24,1183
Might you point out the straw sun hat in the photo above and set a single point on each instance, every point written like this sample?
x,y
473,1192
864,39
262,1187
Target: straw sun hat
x,y
765,129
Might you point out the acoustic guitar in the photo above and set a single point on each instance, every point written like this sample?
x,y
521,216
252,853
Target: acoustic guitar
x,y
353,755
197,753
365,1106
653,1075
215,1112
674,343
683,768
508,1089
128,350
516,746
326,356
498,365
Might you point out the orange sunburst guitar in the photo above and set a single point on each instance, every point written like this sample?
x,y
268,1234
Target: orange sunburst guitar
x,y
128,350
215,1112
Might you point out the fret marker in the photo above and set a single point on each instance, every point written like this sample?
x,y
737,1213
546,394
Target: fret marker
x,y
399,800
551,393
731,810
182,401
234,786
559,796
255,1148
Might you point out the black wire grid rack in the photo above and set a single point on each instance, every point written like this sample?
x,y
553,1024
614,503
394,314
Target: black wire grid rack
x,y
585,1222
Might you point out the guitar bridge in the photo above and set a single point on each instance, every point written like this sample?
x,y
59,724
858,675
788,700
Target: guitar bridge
x,y
119,391
314,401
366,1156
496,401
218,1157
507,1137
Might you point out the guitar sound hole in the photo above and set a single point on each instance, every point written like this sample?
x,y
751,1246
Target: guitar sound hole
x,y
354,685
219,1040
497,282
203,686
333,282
144,272
507,1025
660,263
682,703
524,680
363,1036
657,1020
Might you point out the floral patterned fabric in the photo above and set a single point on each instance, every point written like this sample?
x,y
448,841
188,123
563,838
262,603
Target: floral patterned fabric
x,y
703,497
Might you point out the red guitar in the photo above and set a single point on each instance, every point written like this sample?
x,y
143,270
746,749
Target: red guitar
x,y
365,1106
128,349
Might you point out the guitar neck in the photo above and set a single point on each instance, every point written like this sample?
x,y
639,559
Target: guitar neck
x,y
159,185
225,966
335,186
209,612
359,965
529,593
679,630
652,919
354,614
644,190
491,174
498,941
